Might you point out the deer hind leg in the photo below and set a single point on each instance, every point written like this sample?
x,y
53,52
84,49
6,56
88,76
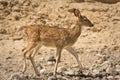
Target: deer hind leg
x,y
27,49
73,52
58,54
32,59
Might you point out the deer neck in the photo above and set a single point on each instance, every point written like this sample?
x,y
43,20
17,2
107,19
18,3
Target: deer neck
x,y
76,30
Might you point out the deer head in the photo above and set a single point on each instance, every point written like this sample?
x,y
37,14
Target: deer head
x,y
82,19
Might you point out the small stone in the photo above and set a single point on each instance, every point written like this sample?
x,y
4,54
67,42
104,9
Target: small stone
x,y
70,72
16,8
52,78
49,74
42,59
51,58
75,66
77,78
16,15
104,78
17,76
50,63
95,71
59,77
17,38
117,70
61,69
43,71
82,78
110,77
65,78
117,77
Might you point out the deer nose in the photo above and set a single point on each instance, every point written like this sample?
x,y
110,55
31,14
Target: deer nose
x,y
91,25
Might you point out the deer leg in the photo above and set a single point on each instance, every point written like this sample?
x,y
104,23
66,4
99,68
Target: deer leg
x,y
58,54
32,59
73,52
25,51
58,58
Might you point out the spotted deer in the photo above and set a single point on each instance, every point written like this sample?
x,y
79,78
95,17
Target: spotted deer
x,y
60,38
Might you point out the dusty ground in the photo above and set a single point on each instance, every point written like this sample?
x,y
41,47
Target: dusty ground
x,y
98,47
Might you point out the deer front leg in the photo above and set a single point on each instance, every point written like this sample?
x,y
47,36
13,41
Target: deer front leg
x,y
73,52
32,59
25,51
58,54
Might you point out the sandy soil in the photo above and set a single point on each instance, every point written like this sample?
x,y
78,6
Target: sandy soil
x,y
97,47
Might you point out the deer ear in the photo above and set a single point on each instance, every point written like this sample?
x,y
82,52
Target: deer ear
x,y
77,13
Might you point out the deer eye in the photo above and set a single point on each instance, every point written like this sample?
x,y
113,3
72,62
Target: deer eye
x,y
84,18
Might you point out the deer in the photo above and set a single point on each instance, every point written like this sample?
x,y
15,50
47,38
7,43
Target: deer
x,y
59,38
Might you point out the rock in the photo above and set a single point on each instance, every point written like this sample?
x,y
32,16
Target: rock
x,y
17,38
77,78
52,78
43,71
34,77
65,78
95,71
61,69
117,77
101,58
17,76
117,70
104,78
50,63
16,8
16,15
49,74
51,58
105,66
70,72
110,77
75,66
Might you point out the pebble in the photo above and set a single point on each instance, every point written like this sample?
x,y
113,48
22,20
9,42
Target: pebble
x,y
117,77
117,70
43,71
50,63
65,78
104,78
110,77
77,78
52,78
17,76
51,58
75,66
42,59
61,69
70,72
95,71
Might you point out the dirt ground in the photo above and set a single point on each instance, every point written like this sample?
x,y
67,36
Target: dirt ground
x,y
98,47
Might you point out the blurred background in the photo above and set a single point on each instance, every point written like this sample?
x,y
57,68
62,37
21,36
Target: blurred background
x,y
98,47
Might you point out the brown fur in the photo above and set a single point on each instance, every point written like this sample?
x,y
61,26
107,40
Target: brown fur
x,y
60,38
